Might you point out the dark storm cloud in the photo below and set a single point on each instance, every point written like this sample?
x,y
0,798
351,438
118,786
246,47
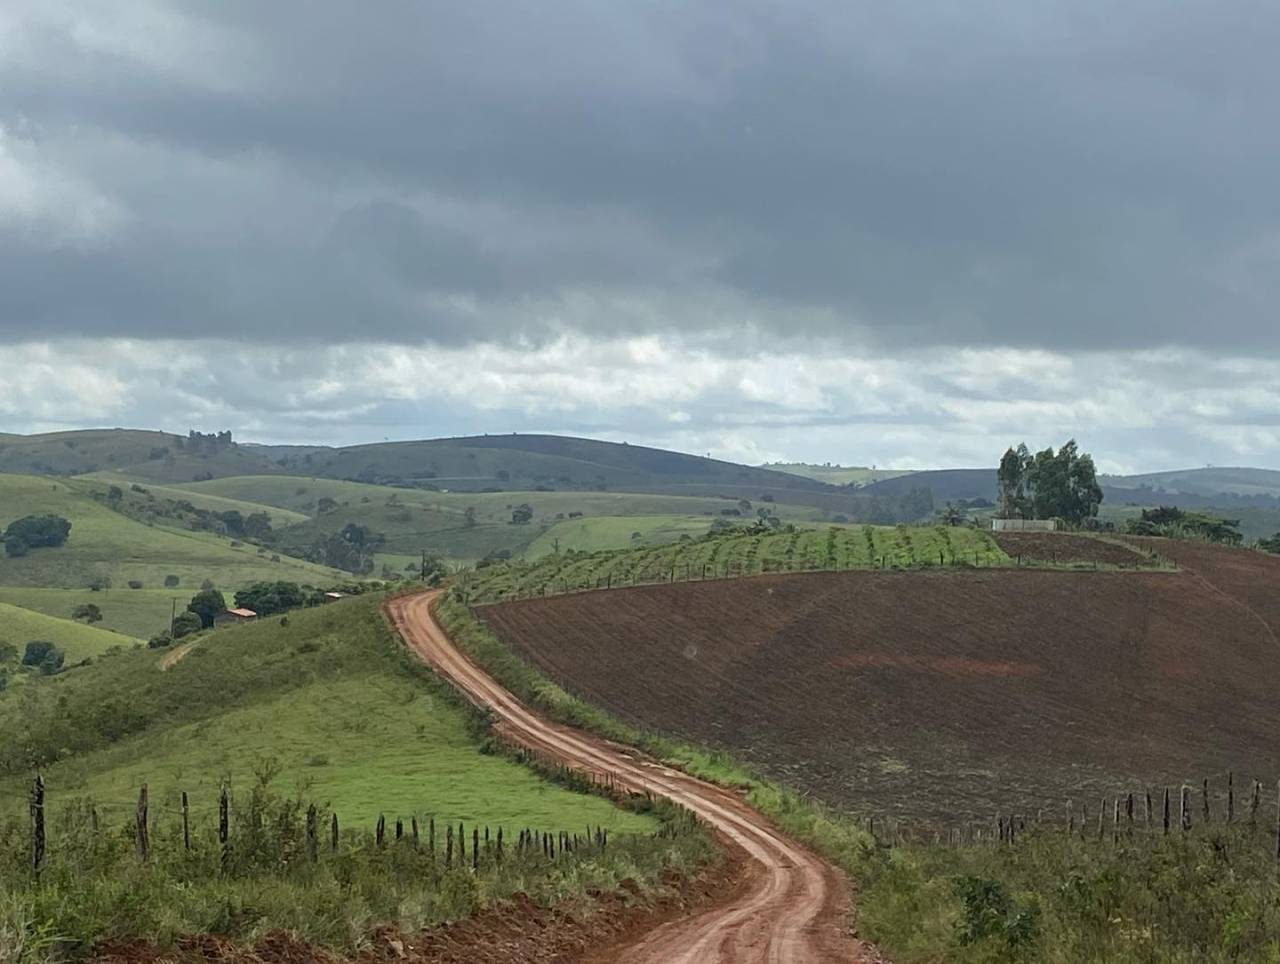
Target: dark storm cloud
x,y
1063,175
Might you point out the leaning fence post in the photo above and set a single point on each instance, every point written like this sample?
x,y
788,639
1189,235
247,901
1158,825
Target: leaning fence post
x,y
224,805
1147,790
1254,802
186,823
1186,808
37,824
140,826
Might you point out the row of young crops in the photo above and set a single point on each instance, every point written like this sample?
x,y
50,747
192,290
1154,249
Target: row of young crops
x,y
739,554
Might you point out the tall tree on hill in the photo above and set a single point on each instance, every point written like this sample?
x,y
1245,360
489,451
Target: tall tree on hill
x,y
206,604
1049,485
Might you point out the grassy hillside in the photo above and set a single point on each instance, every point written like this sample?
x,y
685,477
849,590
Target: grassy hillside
x,y
736,554
1206,481
280,517
616,532
105,543
414,520
19,626
132,612
330,697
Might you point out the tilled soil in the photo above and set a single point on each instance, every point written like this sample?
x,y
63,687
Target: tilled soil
x,y
1068,547
943,694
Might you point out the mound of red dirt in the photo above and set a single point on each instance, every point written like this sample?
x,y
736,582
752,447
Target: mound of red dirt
x,y
1068,547
937,693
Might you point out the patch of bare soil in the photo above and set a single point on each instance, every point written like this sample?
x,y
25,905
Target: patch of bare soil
x,y
1069,547
931,695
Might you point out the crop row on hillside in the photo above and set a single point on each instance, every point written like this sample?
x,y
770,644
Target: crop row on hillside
x,y
832,548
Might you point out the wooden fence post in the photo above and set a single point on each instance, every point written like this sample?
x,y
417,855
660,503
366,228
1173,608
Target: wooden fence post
x,y
1147,790
1166,811
413,829
475,848
380,831
333,833
399,829
1206,800
1231,797
186,823
140,826
1186,808
1278,820
224,835
431,837
448,846
1102,817
1254,802
37,825
462,844
312,832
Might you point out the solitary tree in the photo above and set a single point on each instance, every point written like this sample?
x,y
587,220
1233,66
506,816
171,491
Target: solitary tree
x,y
89,612
206,604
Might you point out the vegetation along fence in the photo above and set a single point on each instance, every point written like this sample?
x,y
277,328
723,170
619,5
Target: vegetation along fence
x,y
450,846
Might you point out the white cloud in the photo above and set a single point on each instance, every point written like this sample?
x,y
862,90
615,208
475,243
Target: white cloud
x,y
811,402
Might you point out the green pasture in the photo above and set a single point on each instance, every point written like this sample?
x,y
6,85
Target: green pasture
x,y
133,612
328,700
78,641
615,532
280,517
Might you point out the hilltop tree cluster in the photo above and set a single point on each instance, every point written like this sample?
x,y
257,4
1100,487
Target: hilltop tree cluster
x,y
1049,485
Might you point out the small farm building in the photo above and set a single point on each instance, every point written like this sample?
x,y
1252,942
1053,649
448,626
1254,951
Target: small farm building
x,y
234,616
1024,525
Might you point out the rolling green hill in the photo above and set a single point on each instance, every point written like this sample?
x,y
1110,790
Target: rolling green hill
x,y
414,520
330,698
1205,482
132,612
19,626
280,517
104,543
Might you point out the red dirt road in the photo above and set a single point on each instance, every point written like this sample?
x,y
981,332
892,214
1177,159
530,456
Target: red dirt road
x,y
794,905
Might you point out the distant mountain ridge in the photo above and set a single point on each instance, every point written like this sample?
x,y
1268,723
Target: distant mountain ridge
x,y
462,464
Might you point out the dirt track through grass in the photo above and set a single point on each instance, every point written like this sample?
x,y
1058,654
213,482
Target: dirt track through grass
x,y
792,910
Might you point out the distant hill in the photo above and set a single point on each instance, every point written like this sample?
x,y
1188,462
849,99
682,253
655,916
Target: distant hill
x,y
475,463
947,485
1204,482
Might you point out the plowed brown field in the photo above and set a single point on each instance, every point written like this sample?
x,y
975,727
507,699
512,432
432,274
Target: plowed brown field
x,y
939,693
1069,547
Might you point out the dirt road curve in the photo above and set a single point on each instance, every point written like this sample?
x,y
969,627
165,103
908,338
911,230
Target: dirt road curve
x,y
793,908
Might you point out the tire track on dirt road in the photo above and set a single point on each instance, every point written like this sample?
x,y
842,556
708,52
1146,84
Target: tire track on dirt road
x,y
793,907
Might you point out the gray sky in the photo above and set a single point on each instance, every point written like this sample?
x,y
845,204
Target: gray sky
x,y
905,234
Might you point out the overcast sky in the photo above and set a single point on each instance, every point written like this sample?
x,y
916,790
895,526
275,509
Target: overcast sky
x,y
901,234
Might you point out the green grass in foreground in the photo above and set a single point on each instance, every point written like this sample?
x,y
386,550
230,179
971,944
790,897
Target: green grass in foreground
x,y
76,640
1210,896
94,888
